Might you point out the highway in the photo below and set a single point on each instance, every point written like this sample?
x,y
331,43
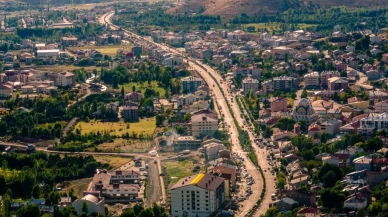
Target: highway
x,y
222,101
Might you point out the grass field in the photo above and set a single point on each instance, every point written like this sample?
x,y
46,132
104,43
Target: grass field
x,y
146,126
178,169
79,186
275,26
127,146
143,86
110,50
62,123
61,68
113,161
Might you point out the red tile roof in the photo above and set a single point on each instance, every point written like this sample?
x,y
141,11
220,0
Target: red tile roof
x,y
308,210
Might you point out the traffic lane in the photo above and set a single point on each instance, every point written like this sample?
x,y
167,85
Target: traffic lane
x,y
153,184
251,169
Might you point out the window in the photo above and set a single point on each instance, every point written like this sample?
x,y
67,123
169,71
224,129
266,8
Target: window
x,y
207,204
207,208
188,204
198,209
207,200
206,196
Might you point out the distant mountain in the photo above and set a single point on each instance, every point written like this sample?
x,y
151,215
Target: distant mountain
x,y
232,8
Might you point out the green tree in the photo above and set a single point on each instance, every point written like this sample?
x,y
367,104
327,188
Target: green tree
x,y
122,92
160,119
36,191
115,81
84,207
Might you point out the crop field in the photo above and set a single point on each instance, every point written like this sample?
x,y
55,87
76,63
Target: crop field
x,y
110,50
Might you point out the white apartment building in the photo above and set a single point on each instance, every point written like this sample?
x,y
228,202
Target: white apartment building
x,y
95,204
250,84
311,79
202,124
65,79
197,196
373,122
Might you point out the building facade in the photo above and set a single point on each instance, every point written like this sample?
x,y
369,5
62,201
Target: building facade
x,y
250,84
203,124
190,84
197,196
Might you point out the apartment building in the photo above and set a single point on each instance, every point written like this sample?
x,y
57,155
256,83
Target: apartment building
x,y
197,196
252,71
250,84
325,75
285,83
338,83
311,80
267,86
190,84
63,79
117,186
202,124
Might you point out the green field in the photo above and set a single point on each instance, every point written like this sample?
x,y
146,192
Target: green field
x,y
276,26
143,86
145,126
178,169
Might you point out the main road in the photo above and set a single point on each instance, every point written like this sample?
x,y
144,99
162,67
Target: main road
x,y
222,101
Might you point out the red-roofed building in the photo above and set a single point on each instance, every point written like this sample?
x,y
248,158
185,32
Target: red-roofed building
x,y
379,162
307,212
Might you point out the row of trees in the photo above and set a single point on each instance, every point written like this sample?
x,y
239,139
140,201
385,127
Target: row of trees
x,y
22,172
25,121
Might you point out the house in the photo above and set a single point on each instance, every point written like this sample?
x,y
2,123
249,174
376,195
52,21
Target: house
x,y
286,204
250,84
63,79
355,203
331,126
373,75
130,113
338,83
307,212
5,90
212,149
228,173
190,84
117,186
344,159
133,96
331,160
203,124
187,99
379,163
199,105
197,196
304,198
363,163
94,201
311,80
253,71
267,86
181,143
279,104
69,41
27,89
325,75
373,122
340,66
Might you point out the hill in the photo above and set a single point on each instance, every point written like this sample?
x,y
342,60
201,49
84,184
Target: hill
x,y
232,8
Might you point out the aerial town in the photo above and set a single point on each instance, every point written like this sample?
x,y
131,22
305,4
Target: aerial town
x,y
126,109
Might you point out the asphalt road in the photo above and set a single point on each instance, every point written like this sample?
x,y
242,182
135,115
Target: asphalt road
x,y
153,184
222,102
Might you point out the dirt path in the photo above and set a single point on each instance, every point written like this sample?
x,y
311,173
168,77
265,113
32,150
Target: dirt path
x,y
69,124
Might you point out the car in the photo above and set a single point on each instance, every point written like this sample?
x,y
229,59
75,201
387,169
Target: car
x,y
155,161
162,174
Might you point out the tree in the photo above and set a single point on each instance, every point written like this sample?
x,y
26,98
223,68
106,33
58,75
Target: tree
x,y
84,207
36,191
211,104
187,116
160,119
133,88
122,92
360,213
332,199
31,210
115,81
329,174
